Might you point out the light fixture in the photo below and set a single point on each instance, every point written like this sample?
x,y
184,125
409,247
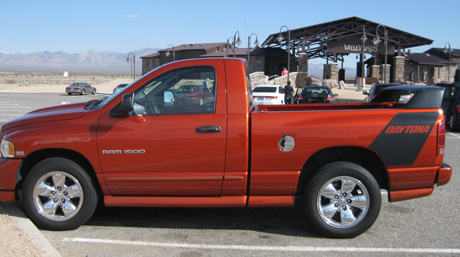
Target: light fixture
x,y
249,44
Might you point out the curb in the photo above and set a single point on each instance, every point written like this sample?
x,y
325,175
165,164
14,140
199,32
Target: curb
x,y
24,224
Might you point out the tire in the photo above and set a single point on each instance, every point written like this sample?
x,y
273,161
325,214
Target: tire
x,y
69,93
83,92
452,121
58,195
342,200
94,92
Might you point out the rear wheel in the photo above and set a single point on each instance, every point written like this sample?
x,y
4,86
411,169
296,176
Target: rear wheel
x,y
94,92
342,200
59,195
83,92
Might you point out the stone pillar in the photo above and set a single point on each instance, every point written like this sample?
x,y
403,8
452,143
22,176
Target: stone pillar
x,y
302,75
335,71
398,68
375,73
386,77
303,62
331,71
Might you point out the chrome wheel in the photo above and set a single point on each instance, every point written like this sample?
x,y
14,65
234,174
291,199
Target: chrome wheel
x,y
58,196
343,202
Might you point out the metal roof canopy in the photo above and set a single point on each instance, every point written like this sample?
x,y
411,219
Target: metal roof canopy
x,y
314,39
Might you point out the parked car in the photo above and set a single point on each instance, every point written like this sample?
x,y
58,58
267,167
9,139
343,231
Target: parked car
x,y
316,94
80,88
119,88
268,94
377,87
193,94
451,104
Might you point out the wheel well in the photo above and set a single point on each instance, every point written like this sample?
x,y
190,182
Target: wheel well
x,y
361,156
32,159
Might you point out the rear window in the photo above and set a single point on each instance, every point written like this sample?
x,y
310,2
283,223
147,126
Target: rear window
x,y
265,89
309,91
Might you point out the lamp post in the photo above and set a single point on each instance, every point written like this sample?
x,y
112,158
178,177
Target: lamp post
x,y
364,38
174,52
131,57
228,44
288,47
385,43
249,43
449,56
236,41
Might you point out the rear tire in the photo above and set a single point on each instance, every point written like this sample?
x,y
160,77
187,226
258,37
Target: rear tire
x,y
58,194
342,200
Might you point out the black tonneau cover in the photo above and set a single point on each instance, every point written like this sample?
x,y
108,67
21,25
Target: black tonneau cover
x,y
424,97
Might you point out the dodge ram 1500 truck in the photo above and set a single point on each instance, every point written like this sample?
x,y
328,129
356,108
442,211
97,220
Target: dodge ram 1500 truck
x,y
155,145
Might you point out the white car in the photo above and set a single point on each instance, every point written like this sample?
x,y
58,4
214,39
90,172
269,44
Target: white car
x,y
268,94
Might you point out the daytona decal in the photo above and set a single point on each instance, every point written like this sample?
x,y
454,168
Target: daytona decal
x,y
408,129
401,141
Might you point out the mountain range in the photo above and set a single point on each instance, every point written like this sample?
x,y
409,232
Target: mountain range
x,y
89,62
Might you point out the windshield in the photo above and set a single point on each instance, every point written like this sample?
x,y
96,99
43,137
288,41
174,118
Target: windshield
x,y
265,89
103,101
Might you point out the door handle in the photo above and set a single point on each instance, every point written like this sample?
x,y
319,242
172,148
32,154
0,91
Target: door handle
x,y
208,129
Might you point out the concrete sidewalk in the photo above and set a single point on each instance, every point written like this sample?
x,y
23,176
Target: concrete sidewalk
x,y
19,236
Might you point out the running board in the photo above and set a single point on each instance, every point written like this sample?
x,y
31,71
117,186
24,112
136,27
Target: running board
x,y
205,201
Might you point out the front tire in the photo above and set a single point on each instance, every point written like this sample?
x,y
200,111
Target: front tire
x,y
342,200
59,195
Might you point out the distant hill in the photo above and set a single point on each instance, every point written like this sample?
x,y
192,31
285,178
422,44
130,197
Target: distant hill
x,y
89,62
93,62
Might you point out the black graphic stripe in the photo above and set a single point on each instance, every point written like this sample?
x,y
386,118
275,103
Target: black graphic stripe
x,y
401,141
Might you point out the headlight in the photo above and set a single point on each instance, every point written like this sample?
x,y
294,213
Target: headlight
x,y
7,149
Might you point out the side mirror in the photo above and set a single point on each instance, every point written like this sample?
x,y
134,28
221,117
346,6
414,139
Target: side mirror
x,y
127,103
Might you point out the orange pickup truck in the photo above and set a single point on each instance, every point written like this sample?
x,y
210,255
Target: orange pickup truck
x,y
141,147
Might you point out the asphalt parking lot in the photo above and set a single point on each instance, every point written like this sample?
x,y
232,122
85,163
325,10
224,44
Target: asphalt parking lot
x,y
427,226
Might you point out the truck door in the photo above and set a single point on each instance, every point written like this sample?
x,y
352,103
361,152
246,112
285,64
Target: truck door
x,y
174,141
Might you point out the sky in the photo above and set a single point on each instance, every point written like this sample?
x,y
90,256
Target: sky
x,y
29,26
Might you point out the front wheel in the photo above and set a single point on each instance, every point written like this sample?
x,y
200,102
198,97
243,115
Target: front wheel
x,y
59,195
342,200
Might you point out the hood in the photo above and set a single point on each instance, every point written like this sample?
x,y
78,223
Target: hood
x,y
54,113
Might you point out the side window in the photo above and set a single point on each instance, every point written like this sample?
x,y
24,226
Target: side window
x,y
281,90
190,90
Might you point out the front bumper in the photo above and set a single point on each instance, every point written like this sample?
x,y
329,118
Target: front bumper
x,y
8,169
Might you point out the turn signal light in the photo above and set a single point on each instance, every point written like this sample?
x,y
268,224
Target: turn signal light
x,y
7,149
441,138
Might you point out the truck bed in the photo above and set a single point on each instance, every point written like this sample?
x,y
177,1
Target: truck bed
x,y
327,107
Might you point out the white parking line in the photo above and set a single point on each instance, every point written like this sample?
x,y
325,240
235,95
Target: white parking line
x,y
269,248
454,135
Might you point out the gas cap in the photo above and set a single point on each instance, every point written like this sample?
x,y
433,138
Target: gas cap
x,y
286,143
